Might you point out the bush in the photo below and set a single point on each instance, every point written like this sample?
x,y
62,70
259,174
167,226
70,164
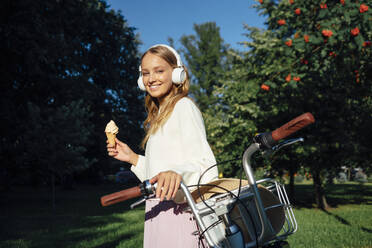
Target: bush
x,y
299,178
361,177
341,178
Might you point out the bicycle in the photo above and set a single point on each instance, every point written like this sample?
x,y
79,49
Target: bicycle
x,y
249,215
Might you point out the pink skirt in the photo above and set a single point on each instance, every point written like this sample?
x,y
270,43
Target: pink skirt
x,y
168,225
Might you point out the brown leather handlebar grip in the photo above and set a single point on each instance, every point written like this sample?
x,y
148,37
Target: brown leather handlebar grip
x,y
120,196
293,126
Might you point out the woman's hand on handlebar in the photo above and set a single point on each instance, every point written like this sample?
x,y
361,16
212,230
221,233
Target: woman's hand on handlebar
x,y
122,152
168,184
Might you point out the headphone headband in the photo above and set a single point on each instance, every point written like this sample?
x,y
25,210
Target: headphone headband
x,y
178,57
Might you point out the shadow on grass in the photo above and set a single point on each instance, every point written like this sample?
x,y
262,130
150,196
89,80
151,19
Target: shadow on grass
x,y
27,214
345,222
336,195
114,243
76,237
366,230
338,218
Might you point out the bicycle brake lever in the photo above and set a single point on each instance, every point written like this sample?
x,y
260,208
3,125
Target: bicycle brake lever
x,y
139,202
287,143
282,144
148,191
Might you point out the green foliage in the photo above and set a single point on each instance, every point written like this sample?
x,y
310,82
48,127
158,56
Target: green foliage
x,y
231,122
206,56
313,56
68,68
56,139
313,51
300,68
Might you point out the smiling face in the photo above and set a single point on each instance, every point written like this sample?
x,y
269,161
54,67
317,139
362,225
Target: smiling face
x,y
157,76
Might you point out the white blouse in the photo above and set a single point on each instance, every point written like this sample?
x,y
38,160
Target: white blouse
x,y
179,145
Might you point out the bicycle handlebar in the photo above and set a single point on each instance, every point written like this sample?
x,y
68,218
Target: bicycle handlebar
x,y
120,196
270,139
292,126
143,189
266,139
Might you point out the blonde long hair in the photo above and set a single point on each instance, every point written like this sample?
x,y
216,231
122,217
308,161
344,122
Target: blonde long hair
x,y
156,116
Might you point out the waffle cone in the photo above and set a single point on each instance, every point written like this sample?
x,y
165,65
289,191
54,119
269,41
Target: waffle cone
x,y
111,138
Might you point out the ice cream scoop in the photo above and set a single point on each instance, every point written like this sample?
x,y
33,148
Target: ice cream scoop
x,y
111,131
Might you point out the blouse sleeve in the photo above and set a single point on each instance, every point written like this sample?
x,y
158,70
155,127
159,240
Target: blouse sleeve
x,y
194,144
139,169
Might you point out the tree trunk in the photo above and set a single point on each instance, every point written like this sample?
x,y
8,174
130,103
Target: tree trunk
x,y
320,198
291,186
53,192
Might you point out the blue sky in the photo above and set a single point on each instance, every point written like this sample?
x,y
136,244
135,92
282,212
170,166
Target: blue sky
x,y
157,20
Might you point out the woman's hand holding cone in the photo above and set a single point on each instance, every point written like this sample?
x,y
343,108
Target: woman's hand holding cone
x,y
122,152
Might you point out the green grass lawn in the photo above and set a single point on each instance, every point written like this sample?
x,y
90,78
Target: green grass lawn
x,y
348,223
27,219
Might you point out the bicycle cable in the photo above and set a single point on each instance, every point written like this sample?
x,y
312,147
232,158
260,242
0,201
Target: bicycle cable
x,y
232,194
210,167
235,197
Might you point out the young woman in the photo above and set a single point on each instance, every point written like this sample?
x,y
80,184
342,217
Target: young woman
x,y
176,148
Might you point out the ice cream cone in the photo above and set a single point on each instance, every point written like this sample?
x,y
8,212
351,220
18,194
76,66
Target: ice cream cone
x,y
111,131
111,138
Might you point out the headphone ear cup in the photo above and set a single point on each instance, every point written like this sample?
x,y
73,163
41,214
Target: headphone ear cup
x,y
178,75
141,84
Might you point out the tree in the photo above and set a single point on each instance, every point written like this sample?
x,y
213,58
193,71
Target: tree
x,y
231,124
207,58
67,66
51,147
313,57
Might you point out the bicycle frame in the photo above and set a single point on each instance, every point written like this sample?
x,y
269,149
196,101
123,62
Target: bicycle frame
x,y
230,221
216,236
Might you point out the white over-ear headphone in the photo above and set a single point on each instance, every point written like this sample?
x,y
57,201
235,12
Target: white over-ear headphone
x,y
178,73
